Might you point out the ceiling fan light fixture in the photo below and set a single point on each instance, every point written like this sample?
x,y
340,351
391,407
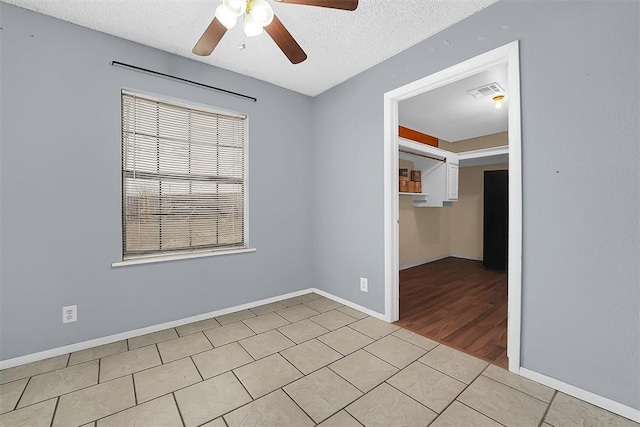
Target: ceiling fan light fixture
x,y
261,12
497,101
236,7
251,27
226,16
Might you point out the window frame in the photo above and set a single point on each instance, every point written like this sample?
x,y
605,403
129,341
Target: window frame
x,y
171,255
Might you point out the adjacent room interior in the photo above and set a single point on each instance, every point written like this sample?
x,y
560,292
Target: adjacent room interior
x,y
447,292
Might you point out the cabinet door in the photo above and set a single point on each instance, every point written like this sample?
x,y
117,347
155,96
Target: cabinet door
x,y
452,181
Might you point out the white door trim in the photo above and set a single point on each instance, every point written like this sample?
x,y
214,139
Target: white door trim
x,y
505,54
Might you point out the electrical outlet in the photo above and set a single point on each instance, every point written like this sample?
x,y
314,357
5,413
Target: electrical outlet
x,y
364,284
69,314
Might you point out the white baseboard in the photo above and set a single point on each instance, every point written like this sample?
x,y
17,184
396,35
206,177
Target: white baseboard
x,y
34,357
423,261
438,258
608,404
472,258
352,305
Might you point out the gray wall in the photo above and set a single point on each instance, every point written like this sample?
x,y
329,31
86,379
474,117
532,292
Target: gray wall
x,y
580,112
60,189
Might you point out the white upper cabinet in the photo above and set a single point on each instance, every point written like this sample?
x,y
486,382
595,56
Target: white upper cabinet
x,y
439,173
452,182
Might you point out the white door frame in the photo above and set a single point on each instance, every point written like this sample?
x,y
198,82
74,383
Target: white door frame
x,y
508,54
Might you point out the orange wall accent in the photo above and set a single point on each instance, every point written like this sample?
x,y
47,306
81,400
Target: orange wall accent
x,y
414,135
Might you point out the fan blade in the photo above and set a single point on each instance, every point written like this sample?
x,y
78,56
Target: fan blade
x,y
334,4
210,38
285,41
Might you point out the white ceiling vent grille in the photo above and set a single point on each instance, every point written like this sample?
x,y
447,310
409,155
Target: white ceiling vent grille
x,y
491,90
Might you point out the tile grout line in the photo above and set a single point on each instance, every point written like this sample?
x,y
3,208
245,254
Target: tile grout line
x,y
196,332
475,410
381,359
159,354
520,391
281,387
546,412
245,389
308,339
315,370
197,369
205,335
82,388
412,398
349,413
296,403
15,406
356,387
466,386
444,373
55,396
175,400
135,406
53,416
135,393
427,350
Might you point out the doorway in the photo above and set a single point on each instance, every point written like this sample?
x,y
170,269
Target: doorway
x,y
506,54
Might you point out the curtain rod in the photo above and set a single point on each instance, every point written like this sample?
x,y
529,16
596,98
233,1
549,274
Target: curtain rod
x,y
157,73
423,155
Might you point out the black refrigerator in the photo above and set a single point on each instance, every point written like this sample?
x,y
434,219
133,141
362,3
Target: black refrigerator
x,y
496,219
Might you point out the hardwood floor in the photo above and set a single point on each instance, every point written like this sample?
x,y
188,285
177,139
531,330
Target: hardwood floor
x,y
459,303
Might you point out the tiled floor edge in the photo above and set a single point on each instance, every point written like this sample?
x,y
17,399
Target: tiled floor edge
x,y
58,351
353,305
587,396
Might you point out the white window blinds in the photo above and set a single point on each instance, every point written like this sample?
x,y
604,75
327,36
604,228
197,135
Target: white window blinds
x,y
183,175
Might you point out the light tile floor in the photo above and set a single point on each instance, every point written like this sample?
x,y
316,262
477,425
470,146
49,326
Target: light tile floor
x,y
300,362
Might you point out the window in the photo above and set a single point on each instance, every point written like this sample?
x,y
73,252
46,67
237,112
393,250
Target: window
x,y
183,178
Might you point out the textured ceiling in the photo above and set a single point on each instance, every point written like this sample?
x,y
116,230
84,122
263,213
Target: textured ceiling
x,y
339,44
452,114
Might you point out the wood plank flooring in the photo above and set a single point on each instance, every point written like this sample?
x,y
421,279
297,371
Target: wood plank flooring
x,y
457,302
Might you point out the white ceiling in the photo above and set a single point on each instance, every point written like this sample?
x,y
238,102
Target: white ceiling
x,y
452,114
339,44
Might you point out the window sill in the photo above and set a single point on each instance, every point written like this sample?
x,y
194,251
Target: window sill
x,y
175,257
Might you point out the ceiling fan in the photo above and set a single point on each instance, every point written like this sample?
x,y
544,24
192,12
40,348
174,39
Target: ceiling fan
x,y
258,16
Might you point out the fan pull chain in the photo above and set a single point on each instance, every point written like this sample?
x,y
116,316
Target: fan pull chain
x,y
243,45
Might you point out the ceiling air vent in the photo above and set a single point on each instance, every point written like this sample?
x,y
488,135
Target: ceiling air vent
x,y
491,90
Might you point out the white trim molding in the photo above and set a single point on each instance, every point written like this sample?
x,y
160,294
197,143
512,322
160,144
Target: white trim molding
x,y
348,303
508,54
424,261
178,256
472,258
595,399
438,258
34,357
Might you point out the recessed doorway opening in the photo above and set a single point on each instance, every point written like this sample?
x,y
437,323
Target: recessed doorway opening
x,y
507,55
